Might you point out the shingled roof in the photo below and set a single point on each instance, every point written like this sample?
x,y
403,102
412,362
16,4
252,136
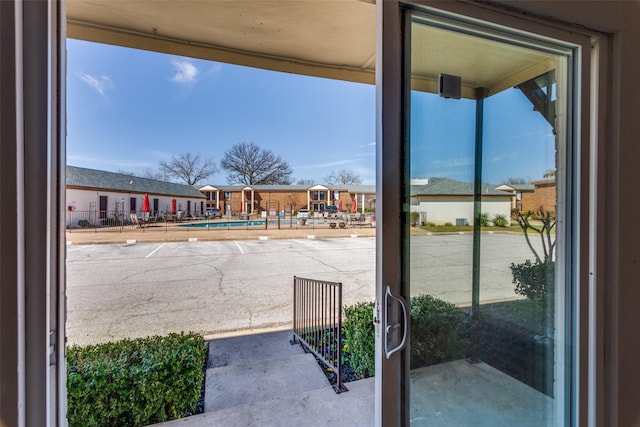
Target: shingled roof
x,y
110,181
350,188
450,187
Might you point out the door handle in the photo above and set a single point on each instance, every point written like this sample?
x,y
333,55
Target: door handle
x,y
388,329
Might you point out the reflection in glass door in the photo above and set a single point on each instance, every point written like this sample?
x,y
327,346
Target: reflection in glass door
x,y
485,156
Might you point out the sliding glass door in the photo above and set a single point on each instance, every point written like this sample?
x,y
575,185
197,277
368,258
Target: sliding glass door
x,y
477,326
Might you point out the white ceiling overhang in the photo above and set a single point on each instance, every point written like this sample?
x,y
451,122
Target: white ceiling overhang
x,y
324,38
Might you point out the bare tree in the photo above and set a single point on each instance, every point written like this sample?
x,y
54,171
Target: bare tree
x,y
154,174
146,173
308,182
516,180
189,167
124,172
342,177
248,164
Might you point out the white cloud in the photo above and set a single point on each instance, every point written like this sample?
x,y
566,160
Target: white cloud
x,y
100,83
103,163
453,162
186,71
371,144
324,165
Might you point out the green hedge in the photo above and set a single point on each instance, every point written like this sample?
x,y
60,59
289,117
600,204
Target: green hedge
x,y
134,382
437,331
437,334
535,281
360,338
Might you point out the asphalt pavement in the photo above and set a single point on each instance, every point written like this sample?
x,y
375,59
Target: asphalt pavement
x,y
223,287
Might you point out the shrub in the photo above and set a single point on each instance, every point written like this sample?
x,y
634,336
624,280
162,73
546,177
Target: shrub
x,y
484,219
448,224
414,217
500,221
534,280
134,382
437,334
437,331
359,332
83,223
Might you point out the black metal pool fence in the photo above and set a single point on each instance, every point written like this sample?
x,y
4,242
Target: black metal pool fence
x,y
120,221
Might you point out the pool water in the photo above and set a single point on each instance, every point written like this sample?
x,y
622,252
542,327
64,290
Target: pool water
x,y
224,224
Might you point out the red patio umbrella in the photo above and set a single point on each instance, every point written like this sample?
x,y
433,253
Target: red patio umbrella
x,y
340,208
173,206
355,205
145,204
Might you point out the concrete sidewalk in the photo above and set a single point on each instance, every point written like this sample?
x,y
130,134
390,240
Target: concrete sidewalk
x,y
262,380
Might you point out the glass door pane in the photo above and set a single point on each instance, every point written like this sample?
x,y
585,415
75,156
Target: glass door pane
x,y
486,140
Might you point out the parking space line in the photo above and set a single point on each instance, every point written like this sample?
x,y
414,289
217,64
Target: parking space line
x,y
309,244
156,250
239,247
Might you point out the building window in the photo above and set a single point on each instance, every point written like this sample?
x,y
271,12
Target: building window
x,y
227,195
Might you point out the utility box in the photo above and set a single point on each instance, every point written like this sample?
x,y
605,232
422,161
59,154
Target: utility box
x,y
461,222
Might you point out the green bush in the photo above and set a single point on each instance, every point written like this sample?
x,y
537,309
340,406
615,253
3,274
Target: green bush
x,y
534,280
437,334
359,333
83,223
484,219
134,382
500,221
414,217
437,331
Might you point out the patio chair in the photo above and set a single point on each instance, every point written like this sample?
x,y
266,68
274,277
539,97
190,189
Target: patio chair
x,y
139,222
133,218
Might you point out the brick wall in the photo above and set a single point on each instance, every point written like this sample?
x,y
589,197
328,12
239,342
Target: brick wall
x,y
544,195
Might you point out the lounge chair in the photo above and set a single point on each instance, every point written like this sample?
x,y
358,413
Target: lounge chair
x,y
139,222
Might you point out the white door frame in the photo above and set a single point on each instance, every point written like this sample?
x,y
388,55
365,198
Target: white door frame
x,y
392,375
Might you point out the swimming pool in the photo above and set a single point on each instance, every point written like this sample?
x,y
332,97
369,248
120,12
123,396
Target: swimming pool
x,y
227,224
224,224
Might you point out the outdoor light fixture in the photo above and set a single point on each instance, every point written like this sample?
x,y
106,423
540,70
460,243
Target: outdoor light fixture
x,y
450,86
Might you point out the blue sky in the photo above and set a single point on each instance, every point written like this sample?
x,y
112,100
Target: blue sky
x,y
517,141
129,109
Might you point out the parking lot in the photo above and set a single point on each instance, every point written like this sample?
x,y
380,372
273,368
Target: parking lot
x,y
118,290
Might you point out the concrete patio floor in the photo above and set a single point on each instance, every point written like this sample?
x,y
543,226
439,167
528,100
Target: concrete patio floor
x,y
456,393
